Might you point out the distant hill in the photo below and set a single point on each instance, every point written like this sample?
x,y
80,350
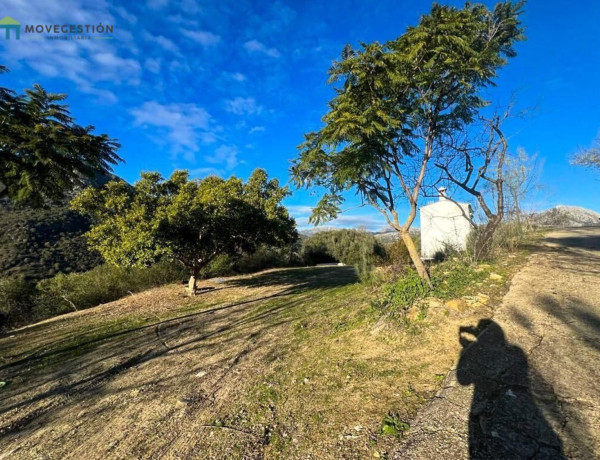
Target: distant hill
x,y
387,235
40,243
566,216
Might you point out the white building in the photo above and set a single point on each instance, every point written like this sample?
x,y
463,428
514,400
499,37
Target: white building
x,y
444,226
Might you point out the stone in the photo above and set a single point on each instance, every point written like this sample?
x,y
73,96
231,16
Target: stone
x,y
458,305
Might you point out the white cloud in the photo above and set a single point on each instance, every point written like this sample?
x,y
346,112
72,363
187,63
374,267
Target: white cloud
x,y
237,76
254,46
87,63
203,172
131,18
186,126
157,4
256,129
152,65
202,37
164,42
243,106
225,155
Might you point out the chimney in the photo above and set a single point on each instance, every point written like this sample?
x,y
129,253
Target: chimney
x,y
442,191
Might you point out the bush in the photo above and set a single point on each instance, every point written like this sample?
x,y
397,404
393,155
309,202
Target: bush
x,y
105,283
222,265
351,247
450,279
397,252
509,236
23,302
15,300
268,257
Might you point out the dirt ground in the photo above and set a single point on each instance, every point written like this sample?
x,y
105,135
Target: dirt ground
x,y
282,364
526,383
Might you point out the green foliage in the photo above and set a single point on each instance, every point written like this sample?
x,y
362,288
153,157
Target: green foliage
x,y
452,278
39,243
44,154
392,425
508,237
397,252
24,302
351,247
189,221
398,297
395,100
15,300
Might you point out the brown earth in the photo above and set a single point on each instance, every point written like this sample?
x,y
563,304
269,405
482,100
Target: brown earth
x,y
297,364
526,382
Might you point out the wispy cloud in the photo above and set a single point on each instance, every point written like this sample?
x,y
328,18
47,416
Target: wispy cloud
x,y
208,171
236,76
202,37
225,155
165,43
243,106
152,65
186,126
256,129
254,46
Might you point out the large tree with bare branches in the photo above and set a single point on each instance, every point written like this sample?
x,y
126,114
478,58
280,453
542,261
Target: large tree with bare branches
x,y
393,104
474,161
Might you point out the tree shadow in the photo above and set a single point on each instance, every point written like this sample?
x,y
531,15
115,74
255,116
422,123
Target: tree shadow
x,y
504,421
300,279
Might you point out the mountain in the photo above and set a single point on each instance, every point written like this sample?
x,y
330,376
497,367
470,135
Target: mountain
x,y
566,216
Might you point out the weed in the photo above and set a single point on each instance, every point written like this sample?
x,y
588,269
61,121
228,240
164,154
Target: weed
x,y
393,425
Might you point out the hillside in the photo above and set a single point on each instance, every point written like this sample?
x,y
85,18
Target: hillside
x,y
39,243
566,216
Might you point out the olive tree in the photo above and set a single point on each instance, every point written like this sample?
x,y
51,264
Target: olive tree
x,y
191,221
392,104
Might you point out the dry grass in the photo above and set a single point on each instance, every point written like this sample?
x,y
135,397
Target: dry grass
x,y
283,364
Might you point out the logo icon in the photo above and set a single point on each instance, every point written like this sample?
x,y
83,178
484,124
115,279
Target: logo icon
x,y
7,23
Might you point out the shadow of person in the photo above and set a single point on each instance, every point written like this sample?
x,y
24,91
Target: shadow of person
x,y
504,421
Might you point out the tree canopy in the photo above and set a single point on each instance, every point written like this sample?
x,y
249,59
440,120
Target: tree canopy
x,y
44,154
589,157
192,221
393,103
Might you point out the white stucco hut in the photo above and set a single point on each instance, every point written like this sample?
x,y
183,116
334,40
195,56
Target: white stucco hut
x,y
444,225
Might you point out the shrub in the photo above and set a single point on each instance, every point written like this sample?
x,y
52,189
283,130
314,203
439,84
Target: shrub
x,y
450,279
398,297
351,247
220,266
15,300
105,283
509,236
397,252
23,302
268,257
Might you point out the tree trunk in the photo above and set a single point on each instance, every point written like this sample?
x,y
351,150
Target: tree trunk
x,y
483,247
192,283
414,256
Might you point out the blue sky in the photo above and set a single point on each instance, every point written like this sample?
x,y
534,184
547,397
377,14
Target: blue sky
x,y
225,87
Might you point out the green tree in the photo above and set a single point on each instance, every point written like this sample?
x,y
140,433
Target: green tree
x,y
186,220
589,157
395,101
44,154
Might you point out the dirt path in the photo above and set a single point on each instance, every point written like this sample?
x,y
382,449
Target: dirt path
x,y
528,386
150,391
